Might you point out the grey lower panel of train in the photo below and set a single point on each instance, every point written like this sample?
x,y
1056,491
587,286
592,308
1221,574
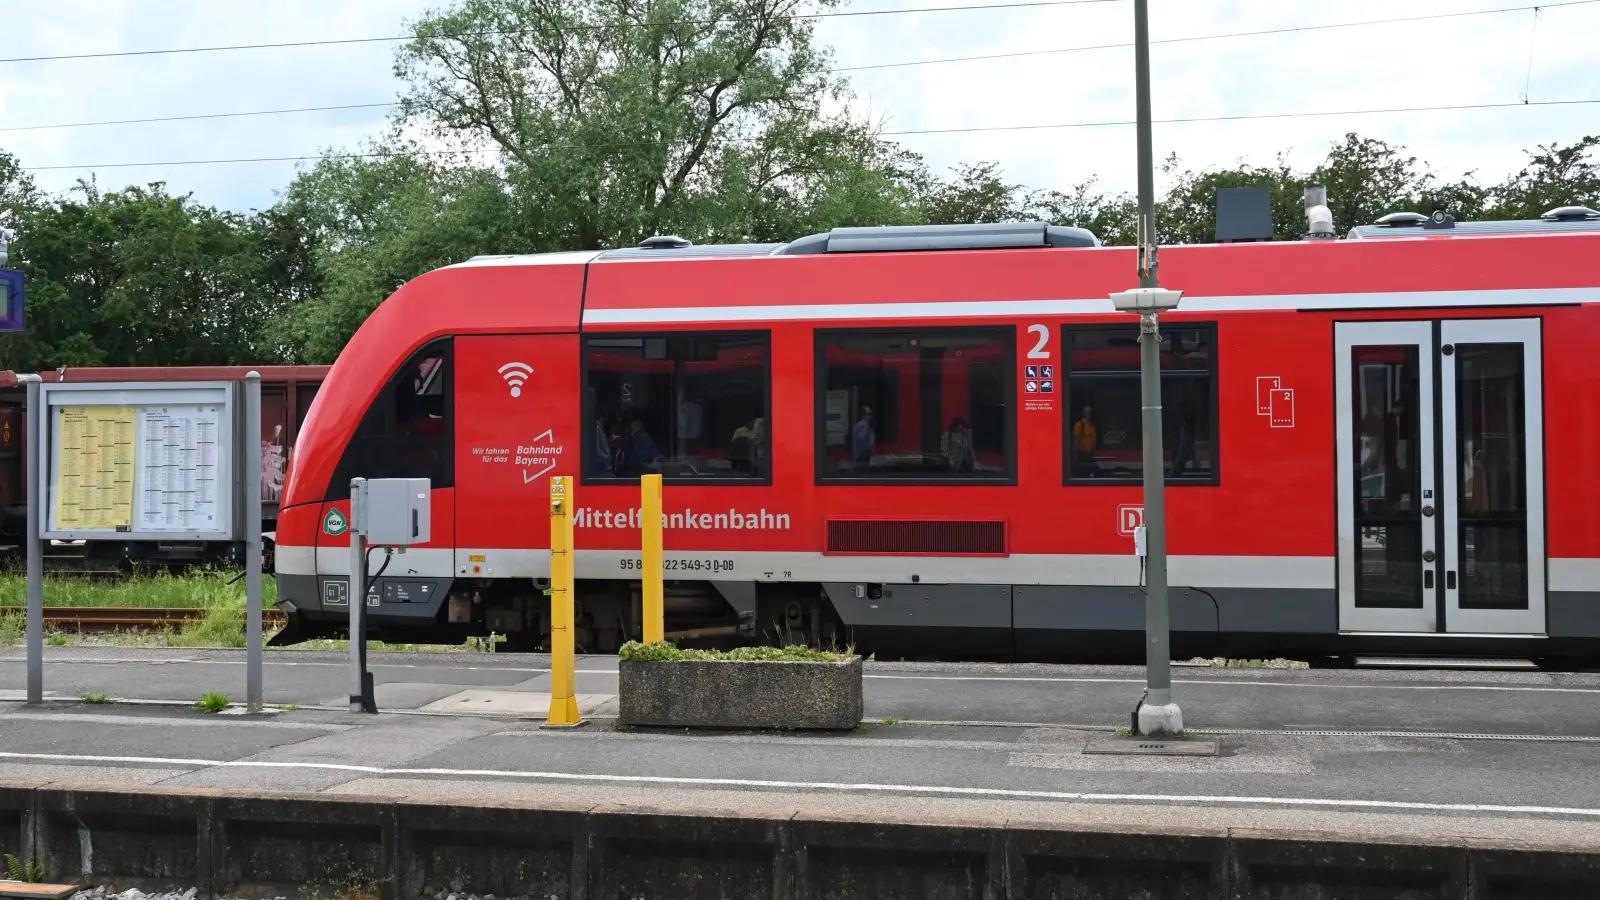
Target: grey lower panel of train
x,y
1083,607
1570,614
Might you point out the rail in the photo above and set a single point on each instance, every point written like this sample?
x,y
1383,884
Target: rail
x,y
120,618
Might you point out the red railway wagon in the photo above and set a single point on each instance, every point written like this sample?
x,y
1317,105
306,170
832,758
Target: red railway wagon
x,y
928,441
286,395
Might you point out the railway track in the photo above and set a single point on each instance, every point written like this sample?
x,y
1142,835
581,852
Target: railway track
x,y
99,619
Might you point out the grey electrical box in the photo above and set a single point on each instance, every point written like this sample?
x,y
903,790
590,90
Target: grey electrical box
x,y
1244,214
394,511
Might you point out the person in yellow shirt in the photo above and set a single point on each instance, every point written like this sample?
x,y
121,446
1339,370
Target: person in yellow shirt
x,y
1085,440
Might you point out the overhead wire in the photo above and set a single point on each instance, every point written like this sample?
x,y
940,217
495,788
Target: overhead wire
x,y
888,134
1401,20
874,66
838,14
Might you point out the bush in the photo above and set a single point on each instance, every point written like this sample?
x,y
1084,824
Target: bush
x,y
666,651
20,870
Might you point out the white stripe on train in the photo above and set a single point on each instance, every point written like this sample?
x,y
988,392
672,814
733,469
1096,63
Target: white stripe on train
x,y
1003,309
1281,572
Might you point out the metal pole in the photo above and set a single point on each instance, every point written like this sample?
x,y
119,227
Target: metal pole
x,y
1147,172
563,651
1157,715
356,594
38,503
650,556
1158,653
252,539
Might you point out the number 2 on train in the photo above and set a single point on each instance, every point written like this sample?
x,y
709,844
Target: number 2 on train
x,y
1039,351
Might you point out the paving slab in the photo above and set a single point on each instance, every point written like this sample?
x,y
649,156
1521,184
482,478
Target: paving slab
x,y
511,703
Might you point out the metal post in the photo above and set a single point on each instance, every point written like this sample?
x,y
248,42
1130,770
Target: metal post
x,y
1156,715
252,539
650,559
1147,171
361,699
563,663
38,504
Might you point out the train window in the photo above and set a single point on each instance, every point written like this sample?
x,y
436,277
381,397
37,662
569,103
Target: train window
x,y
1104,437
688,406
921,405
408,431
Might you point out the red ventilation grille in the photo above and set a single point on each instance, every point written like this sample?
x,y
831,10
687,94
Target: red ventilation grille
x,y
917,538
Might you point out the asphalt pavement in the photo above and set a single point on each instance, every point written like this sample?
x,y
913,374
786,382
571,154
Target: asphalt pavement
x,y
1487,753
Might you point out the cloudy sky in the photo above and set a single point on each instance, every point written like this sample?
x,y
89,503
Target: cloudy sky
x,y
1477,59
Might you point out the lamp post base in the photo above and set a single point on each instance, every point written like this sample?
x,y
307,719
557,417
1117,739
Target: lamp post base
x,y
1160,721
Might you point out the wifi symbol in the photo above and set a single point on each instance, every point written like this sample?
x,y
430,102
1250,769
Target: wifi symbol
x,y
516,374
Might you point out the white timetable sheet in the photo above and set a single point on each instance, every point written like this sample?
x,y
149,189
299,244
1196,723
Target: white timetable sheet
x,y
179,485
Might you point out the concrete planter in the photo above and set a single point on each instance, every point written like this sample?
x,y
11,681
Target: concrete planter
x,y
723,694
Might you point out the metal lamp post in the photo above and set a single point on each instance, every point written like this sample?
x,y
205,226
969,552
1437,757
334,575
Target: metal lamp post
x,y
1157,715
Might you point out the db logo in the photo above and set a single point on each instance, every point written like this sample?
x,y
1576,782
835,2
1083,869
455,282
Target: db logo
x,y
1129,519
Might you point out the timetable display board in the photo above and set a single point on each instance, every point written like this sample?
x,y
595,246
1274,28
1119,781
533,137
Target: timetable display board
x,y
146,461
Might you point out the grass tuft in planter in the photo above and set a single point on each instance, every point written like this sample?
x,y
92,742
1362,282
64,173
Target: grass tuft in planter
x,y
660,685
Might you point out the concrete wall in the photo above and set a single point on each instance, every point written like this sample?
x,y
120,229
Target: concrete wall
x,y
227,842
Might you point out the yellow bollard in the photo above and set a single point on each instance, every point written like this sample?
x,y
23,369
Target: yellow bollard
x,y
563,664
650,519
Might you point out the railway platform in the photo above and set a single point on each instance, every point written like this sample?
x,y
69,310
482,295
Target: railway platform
x,y
1436,766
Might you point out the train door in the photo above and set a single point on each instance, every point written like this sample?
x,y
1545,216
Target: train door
x,y
1440,476
519,427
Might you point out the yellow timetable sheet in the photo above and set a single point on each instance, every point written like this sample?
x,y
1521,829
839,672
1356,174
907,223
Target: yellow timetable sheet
x,y
94,467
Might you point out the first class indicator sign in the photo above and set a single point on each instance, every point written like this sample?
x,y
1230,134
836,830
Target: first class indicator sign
x,y
139,461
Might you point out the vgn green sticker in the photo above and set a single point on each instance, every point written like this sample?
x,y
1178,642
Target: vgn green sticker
x,y
334,522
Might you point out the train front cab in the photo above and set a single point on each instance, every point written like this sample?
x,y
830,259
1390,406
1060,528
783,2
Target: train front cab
x,y
399,403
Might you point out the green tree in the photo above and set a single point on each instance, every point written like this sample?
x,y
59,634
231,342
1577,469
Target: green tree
x,y
1555,176
618,119
138,277
371,225
977,194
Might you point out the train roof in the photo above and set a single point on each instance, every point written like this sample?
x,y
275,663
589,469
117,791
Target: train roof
x,y
1562,220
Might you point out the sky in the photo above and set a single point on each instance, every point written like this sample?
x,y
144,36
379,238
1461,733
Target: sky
x,y
1503,57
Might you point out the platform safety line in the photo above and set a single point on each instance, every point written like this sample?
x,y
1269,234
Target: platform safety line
x,y
866,787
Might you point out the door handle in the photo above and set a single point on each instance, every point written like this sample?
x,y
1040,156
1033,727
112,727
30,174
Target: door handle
x,y
1427,579
415,524
1449,580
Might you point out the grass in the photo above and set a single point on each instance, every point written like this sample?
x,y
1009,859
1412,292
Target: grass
x,y
94,697
214,702
891,721
208,590
666,651
1124,731
198,589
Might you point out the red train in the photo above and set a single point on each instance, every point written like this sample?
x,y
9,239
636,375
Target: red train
x,y
286,395
927,440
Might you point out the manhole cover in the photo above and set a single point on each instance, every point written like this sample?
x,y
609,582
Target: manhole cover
x,y
1137,747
